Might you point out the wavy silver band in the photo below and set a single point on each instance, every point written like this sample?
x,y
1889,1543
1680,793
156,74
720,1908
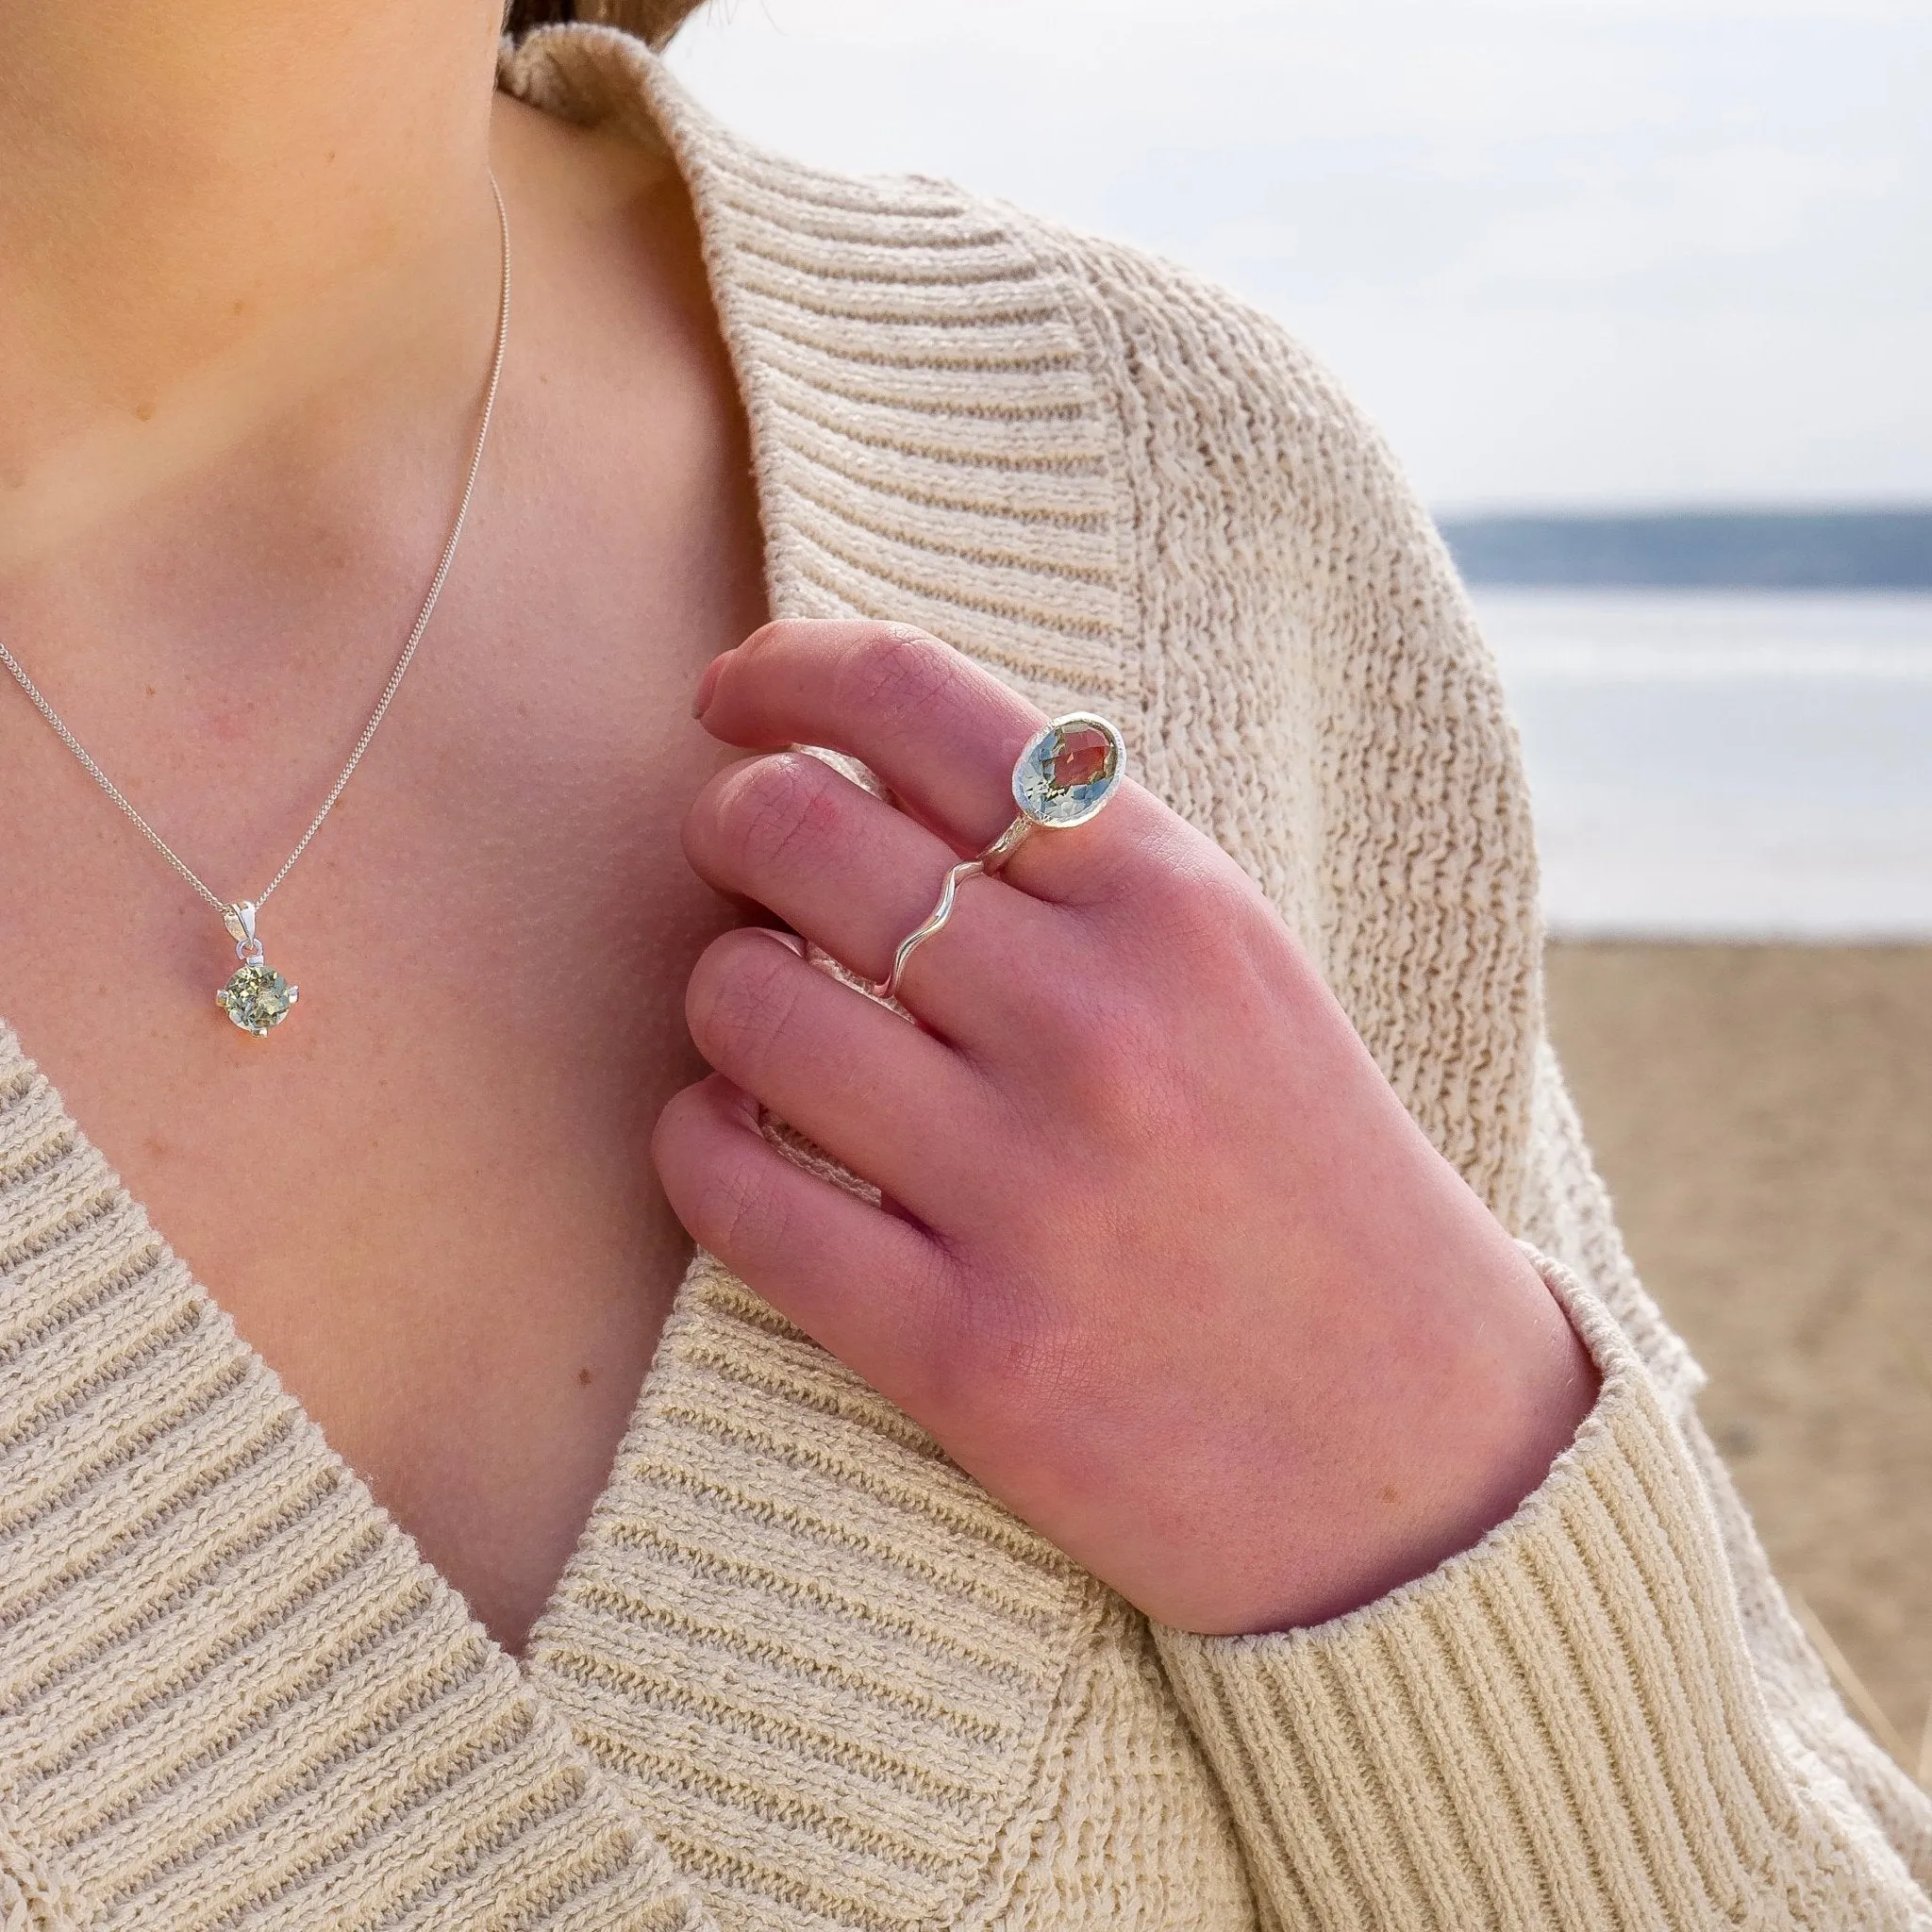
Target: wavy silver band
x,y
987,863
887,987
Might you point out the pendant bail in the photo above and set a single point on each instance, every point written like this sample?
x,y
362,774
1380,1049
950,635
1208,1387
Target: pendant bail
x,y
239,920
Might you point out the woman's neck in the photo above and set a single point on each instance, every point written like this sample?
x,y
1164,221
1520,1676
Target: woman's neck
x,y
212,214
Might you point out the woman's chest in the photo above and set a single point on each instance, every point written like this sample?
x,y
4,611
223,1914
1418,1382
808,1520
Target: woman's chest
x,y
425,1197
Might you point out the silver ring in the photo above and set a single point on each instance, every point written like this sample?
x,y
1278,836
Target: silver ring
x,y
1067,773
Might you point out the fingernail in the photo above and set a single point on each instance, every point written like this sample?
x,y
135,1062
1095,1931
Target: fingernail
x,y
707,684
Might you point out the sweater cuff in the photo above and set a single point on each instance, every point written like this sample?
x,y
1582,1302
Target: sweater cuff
x,y
1559,1727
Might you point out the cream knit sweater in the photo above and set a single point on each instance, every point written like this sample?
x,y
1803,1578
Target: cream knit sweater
x,y
801,1673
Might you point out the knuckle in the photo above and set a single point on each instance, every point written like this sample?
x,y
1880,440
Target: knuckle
x,y
1143,864
1111,1086
1122,1079
741,999
738,1207
769,806
896,669
1196,915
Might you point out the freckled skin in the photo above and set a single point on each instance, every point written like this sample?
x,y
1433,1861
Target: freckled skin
x,y
494,932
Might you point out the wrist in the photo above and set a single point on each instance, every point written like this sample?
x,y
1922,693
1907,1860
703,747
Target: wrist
x,y
1436,1433
1472,1458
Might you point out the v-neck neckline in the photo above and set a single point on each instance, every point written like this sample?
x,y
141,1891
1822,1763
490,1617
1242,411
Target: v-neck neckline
x,y
252,1367
773,1548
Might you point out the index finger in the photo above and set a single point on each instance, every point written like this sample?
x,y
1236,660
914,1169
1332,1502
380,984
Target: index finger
x,y
940,731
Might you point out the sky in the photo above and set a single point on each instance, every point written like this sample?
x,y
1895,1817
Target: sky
x,y
1572,254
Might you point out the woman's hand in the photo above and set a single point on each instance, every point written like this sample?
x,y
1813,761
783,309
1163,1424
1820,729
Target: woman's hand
x,y
1165,1264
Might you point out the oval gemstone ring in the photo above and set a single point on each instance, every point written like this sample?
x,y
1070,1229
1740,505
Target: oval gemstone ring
x,y
1066,773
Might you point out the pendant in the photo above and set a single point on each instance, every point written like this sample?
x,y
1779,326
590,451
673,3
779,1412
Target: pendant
x,y
257,996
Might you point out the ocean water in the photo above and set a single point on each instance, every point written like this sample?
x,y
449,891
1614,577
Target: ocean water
x,y
1725,765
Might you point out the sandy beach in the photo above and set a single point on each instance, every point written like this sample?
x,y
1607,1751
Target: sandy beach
x,y
1763,1115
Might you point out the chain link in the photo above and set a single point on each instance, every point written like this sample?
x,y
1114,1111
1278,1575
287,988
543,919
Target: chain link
x,y
395,677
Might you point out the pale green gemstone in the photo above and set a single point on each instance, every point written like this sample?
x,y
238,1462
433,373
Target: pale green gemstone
x,y
256,998
1070,770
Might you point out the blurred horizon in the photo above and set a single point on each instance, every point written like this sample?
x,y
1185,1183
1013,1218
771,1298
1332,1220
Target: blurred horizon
x,y
1712,548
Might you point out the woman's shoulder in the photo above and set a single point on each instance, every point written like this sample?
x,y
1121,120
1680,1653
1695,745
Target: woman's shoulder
x,y
928,274
1056,354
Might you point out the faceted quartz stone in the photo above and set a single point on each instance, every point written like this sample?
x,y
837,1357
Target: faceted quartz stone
x,y
1068,772
256,998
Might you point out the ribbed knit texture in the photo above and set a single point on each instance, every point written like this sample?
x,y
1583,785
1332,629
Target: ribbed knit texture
x,y
801,1673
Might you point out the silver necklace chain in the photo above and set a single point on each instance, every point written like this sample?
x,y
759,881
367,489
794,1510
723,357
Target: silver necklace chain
x,y
389,690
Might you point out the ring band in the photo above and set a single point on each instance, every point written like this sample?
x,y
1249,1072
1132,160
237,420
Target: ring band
x,y
1066,773
887,987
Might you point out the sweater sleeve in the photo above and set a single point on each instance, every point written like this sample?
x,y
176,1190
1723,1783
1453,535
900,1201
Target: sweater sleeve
x,y
1567,1210
1565,1726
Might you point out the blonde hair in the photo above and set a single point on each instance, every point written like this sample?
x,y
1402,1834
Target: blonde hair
x,y
654,21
